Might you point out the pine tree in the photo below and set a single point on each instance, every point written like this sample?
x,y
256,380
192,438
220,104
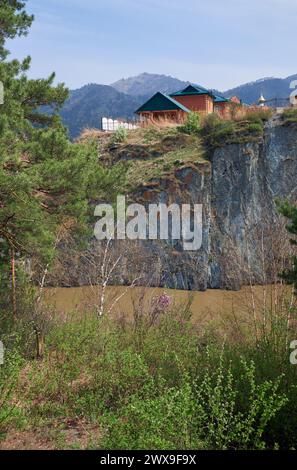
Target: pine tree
x,y
45,180
14,21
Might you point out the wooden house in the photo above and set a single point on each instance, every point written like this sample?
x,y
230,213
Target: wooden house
x,y
161,106
176,106
196,99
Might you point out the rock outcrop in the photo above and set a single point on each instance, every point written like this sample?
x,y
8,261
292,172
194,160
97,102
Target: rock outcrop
x,y
243,234
242,229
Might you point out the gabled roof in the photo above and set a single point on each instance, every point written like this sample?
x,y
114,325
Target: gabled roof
x,y
192,90
161,102
220,99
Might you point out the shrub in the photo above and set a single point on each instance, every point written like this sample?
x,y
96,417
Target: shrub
x,y
217,131
289,116
204,412
160,421
9,376
119,136
259,115
230,423
192,124
255,128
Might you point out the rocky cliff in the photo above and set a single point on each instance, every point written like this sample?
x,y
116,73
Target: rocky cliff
x,y
237,184
243,235
248,241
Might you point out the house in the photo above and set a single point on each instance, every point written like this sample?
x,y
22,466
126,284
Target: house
x,y
225,107
196,99
161,106
221,105
176,106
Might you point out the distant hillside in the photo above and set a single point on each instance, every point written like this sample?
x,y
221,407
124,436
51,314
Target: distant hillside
x,y
270,87
88,104
146,84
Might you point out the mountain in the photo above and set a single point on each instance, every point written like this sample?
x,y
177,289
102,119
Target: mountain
x,y
270,87
146,84
86,106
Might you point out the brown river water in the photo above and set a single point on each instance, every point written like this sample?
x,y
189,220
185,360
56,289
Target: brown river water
x,y
123,301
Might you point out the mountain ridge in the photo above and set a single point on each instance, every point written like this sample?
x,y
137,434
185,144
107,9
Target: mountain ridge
x,y
150,82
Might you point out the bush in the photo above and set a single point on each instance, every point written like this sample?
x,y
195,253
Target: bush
x,y
255,128
217,131
260,115
119,136
160,421
203,412
9,376
192,124
289,116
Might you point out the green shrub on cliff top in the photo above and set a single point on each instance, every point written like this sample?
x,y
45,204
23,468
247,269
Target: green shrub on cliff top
x,y
289,116
255,128
217,131
192,124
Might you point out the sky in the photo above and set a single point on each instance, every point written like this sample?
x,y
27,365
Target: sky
x,y
216,43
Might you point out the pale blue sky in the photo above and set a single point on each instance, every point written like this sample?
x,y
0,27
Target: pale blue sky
x,y
217,43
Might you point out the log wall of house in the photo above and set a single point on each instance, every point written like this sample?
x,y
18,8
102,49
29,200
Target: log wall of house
x,y
201,103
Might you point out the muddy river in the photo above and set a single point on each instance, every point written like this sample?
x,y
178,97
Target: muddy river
x,y
123,300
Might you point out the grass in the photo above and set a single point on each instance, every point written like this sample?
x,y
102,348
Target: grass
x,y
153,153
143,172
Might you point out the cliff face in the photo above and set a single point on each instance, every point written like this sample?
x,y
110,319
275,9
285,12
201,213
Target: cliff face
x,y
238,185
246,182
241,227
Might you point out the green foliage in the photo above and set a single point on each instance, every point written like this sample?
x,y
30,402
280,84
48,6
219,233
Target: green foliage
x,y
14,22
260,116
9,376
216,131
192,124
255,128
119,136
158,421
203,412
232,424
289,116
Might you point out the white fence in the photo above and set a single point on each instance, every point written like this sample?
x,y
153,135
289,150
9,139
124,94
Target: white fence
x,y
112,125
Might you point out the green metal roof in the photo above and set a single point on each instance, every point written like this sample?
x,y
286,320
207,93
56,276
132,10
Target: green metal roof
x,y
220,99
192,90
161,102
